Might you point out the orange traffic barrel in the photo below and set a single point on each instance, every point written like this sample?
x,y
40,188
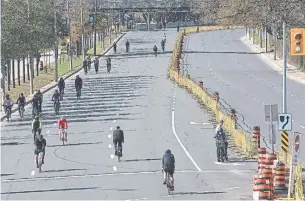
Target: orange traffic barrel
x,y
279,178
270,158
256,137
262,151
264,195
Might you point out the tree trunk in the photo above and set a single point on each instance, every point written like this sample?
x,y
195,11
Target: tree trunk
x,y
8,75
23,68
18,68
13,73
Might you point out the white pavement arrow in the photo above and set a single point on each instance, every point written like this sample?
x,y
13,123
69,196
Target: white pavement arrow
x,y
194,123
234,164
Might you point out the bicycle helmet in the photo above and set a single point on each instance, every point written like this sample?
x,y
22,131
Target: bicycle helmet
x,y
117,127
221,121
168,151
36,117
7,95
56,90
62,117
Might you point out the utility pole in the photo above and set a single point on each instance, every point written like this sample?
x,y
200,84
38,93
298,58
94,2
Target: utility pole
x,y
284,69
266,37
82,24
30,55
1,61
55,43
70,40
94,28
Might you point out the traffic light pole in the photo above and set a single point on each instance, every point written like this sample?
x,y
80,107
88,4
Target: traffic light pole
x,y
284,69
30,55
94,29
1,62
70,40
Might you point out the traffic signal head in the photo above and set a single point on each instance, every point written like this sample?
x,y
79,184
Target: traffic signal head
x,y
297,36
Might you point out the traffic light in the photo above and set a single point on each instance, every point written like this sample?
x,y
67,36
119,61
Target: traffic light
x,y
91,18
297,41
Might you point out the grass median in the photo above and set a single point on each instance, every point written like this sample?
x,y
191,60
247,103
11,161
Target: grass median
x,y
46,78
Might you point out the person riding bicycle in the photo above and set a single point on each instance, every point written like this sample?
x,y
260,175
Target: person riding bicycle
x,y
221,140
78,83
56,97
96,63
35,103
89,61
40,146
36,125
163,44
127,45
62,123
114,46
61,85
155,49
108,62
85,64
21,102
164,38
118,139
8,103
168,166
40,100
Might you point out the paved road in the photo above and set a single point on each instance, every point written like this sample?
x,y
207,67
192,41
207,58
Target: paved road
x,y
244,80
138,97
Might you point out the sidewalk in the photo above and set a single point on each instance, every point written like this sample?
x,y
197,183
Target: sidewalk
x,y
292,71
53,84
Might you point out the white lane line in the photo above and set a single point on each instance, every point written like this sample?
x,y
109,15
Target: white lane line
x,y
233,164
33,173
195,123
117,114
114,168
114,121
178,139
109,136
109,146
303,127
114,174
111,128
112,156
48,131
232,188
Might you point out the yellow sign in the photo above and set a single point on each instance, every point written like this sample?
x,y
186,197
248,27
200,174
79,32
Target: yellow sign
x,y
284,141
260,28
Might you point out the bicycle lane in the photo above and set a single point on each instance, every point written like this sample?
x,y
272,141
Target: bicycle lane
x,y
232,180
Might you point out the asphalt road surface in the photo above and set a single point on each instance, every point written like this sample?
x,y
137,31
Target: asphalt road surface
x,y
154,114
243,79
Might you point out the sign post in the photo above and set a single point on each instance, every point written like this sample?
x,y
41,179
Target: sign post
x,y
271,116
294,162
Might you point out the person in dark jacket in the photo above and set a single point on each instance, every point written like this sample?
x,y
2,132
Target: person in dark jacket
x,y
56,97
40,100
78,83
168,166
40,146
61,85
21,102
118,139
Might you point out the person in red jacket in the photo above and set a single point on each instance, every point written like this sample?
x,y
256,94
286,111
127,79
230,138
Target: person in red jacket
x,y
63,123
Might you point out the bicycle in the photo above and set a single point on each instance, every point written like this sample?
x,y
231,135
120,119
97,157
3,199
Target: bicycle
x,y
8,112
21,111
40,160
63,135
78,92
119,153
108,68
222,156
61,94
56,108
168,183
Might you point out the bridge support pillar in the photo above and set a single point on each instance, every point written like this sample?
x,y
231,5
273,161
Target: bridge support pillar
x,y
148,21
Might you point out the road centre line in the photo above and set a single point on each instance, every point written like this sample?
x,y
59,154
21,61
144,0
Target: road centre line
x,y
116,174
178,139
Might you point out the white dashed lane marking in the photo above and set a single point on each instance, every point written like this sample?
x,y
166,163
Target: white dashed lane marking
x,y
109,136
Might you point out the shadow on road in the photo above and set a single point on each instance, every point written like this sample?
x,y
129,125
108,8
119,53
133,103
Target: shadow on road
x,y
49,190
75,144
12,143
5,175
62,170
139,160
198,193
209,52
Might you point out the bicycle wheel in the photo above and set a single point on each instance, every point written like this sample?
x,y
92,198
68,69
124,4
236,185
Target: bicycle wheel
x,y
40,162
168,184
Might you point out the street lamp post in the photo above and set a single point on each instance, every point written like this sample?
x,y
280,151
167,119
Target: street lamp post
x,y
82,24
55,43
30,55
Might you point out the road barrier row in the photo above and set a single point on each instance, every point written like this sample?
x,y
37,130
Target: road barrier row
x,y
271,180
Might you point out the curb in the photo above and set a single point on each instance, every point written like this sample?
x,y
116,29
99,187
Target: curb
x,y
68,75
274,65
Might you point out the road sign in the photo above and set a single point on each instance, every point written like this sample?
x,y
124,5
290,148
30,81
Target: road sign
x,y
272,133
296,150
284,141
271,113
285,122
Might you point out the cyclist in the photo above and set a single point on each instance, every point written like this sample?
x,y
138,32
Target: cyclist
x,y
40,146
85,64
168,166
114,46
78,83
127,46
221,138
61,85
55,97
35,102
108,64
155,49
89,61
40,99
118,139
21,102
164,38
36,125
96,64
62,123
163,44
8,103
